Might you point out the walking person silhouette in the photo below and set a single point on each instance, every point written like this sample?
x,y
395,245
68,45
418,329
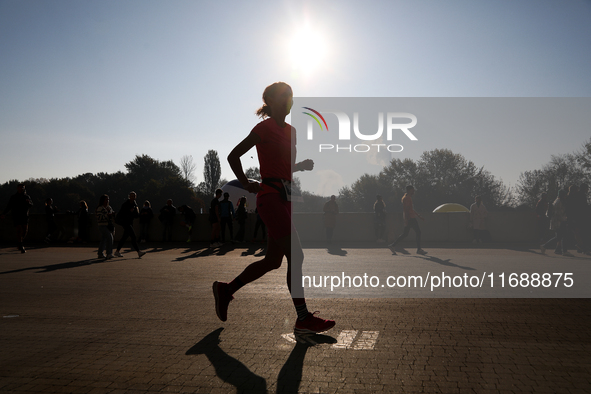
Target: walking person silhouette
x,y
275,141
410,221
19,206
128,212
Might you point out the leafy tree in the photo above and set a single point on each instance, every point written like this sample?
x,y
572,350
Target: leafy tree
x,y
201,189
445,177
253,173
116,185
33,188
584,158
144,168
67,193
440,176
401,172
152,179
180,193
169,169
561,172
362,194
312,203
212,172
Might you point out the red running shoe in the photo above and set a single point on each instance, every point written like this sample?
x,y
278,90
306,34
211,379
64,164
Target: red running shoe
x,y
222,299
312,325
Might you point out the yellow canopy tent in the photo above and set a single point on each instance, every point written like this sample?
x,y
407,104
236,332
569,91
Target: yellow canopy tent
x,y
450,207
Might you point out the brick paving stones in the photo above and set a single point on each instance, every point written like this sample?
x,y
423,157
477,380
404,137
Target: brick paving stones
x,y
70,323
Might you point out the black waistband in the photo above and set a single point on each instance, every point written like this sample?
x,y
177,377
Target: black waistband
x,y
272,182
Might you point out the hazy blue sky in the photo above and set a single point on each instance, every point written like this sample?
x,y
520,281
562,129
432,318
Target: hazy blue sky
x,y
87,85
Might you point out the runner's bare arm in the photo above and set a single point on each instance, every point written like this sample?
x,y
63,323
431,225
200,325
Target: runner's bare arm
x,y
234,160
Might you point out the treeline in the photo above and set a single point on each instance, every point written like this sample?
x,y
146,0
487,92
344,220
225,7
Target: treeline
x,y
440,176
560,173
153,180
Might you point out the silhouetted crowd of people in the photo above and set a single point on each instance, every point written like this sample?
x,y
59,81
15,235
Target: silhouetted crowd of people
x,y
20,204
563,224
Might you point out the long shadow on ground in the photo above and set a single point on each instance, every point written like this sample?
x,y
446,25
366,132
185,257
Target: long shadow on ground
x,y
336,251
446,262
61,266
227,367
204,252
290,376
232,371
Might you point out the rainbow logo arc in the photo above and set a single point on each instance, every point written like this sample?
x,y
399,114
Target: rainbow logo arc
x,y
315,118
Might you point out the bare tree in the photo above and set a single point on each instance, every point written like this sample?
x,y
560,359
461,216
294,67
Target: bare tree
x,y
188,169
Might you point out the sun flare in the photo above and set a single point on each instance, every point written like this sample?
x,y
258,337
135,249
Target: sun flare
x,y
308,50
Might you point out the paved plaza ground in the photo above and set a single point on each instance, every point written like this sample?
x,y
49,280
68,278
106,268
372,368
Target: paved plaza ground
x,y
71,323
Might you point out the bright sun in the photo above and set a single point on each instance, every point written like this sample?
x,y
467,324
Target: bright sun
x,y
308,50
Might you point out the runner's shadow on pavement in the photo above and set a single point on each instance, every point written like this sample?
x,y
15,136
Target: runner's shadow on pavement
x,y
401,250
290,376
255,250
225,248
227,367
232,371
61,266
336,251
202,253
447,262
528,250
165,246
